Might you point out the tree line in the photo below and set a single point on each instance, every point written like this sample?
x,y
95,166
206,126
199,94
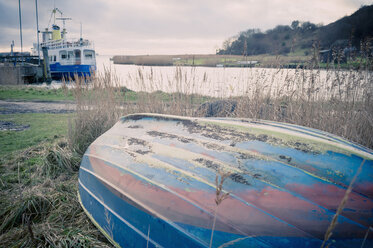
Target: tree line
x,y
299,37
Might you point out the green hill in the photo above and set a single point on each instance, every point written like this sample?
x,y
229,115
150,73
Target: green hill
x,y
300,37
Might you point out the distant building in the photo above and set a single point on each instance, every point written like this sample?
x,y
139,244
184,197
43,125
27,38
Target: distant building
x,y
337,54
326,56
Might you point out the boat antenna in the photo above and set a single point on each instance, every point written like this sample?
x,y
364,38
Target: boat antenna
x,y
50,18
63,20
54,12
81,31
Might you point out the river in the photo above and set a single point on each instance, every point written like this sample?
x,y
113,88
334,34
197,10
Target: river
x,y
211,81
230,82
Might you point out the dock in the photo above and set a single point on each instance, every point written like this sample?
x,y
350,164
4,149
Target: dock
x,y
21,69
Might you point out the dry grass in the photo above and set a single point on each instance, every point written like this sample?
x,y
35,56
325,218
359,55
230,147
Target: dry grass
x,y
98,108
333,223
219,198
336,101
39,206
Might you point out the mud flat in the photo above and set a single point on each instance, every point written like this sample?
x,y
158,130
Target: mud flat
x,y
22,107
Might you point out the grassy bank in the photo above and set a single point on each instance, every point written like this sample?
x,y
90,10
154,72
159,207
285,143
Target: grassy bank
x,y
290,60
35,93
30,93
38,186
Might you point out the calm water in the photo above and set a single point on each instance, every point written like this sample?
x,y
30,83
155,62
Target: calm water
x,y
226,82
212,81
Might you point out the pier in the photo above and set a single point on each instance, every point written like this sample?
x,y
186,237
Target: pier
x,y
21,68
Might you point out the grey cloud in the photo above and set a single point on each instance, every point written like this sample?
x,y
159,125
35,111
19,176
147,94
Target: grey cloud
x,y
136,25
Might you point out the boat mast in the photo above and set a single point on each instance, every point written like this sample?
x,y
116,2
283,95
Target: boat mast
x,y
20,27
37,29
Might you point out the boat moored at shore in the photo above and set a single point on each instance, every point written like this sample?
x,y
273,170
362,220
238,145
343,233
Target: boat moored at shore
x,y
67,57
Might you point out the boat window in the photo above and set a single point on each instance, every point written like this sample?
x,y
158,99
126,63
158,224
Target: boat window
x,y
77,53
70,55
89,54
55,57
63,54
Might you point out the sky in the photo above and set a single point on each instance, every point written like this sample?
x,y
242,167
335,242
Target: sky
x,y
130,27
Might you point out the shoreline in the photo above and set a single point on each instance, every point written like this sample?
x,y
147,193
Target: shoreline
x,y
233,61
210,60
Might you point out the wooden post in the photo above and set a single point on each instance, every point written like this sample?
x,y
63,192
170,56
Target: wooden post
x,y
46,69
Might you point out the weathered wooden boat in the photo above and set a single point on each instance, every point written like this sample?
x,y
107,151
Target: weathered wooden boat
x,y
158,181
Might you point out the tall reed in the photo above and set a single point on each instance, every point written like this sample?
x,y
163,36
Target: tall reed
x,y
334,100
98,107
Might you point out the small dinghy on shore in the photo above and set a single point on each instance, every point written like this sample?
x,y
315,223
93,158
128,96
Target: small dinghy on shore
x,y
167,181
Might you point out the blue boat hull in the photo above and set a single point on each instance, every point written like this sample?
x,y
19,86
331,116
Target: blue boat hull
x,y
150,182
59,71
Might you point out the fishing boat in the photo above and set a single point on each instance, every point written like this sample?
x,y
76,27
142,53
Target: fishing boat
x,y
167,181
67,57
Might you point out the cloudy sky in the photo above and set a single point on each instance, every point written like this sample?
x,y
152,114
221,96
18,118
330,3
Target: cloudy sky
x,y
164,26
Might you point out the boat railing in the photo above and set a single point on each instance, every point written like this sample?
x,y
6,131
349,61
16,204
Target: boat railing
x,y
18,58
57,44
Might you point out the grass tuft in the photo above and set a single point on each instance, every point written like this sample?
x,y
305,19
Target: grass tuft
x,y
59,160
39,203
31,208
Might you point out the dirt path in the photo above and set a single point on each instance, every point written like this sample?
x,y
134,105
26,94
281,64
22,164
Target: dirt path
x,y
21,107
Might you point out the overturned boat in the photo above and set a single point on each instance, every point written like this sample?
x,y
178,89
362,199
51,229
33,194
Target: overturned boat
x,y
166,181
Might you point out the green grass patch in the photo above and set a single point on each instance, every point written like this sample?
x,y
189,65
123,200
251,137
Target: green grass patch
x,y
35,93
43,128
299,52
28,93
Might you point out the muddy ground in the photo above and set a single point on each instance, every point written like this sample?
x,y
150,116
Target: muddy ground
x,y
22,107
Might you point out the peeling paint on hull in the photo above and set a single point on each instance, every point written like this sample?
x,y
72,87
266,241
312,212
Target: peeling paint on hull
x,y
150,181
